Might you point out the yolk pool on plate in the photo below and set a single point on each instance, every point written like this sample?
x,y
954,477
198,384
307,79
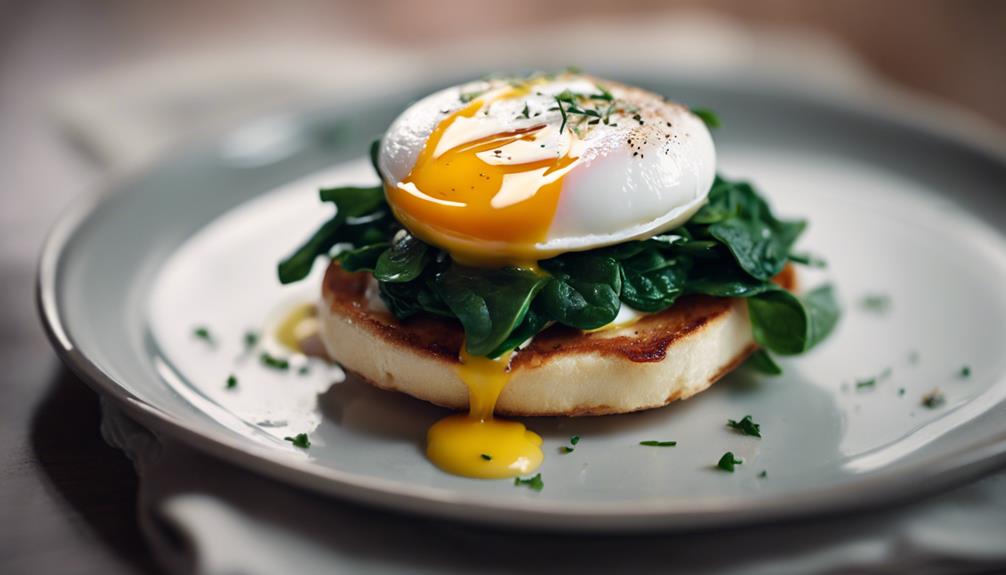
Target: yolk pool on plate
x,y
476,444
460,202
297,325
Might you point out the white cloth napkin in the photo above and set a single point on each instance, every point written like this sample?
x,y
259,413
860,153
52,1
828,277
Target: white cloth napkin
x,y
205,516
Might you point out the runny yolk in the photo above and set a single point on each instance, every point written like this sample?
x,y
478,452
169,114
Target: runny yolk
x,y
484,213
476,444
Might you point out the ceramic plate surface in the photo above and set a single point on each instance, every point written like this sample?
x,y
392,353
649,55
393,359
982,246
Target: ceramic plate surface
x,y
906,215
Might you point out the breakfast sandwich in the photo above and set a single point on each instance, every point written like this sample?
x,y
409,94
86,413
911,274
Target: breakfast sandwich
x,y
552,245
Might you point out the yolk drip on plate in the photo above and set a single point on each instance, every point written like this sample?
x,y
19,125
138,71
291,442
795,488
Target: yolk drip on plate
x,y
476,444
488,199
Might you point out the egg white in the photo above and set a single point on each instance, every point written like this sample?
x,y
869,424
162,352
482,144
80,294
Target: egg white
x,y
645,172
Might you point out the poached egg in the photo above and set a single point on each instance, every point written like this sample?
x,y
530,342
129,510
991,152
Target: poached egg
x,y
509,172
514,171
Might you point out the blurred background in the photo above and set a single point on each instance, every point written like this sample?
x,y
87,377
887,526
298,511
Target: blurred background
x,y
90,89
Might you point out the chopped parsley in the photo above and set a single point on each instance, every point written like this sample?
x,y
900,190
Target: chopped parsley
x,y
655,443
467,97
871,382
300,440
203,333
574,440
746,426
274,362
487,457
304,370
934,399
565,449
875,303
965,372
232,381
913,357
708,117
525,113
251,340
533,482
763,474
901,391
728,461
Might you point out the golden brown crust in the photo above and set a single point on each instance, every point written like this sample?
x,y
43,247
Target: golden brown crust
x,y
441,338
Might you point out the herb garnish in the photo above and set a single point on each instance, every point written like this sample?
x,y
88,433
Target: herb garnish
x,y
565,449
300,440
745,426
533,482
763,474
732,247
525,113
655,443
487,457
934,399
232,381
965,372
871,382
304,370
574,440
728,461
274,362
877,303
203,333
251,340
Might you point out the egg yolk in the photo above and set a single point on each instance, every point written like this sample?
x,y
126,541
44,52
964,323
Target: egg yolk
x,y
476,444
483,212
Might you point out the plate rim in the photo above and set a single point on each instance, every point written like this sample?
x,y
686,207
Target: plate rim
x,y
888,488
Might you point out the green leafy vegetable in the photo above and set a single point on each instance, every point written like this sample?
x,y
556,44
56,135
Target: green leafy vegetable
x,y
762,362
728,461
746,426
489,303
534,483
732,247
583,291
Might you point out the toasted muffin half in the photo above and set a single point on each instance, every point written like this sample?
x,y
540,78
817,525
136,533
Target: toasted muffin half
x,y
661,358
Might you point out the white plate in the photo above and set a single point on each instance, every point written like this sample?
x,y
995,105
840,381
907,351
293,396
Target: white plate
x,y
896,209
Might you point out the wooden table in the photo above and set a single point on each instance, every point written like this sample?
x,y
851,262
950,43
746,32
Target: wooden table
x,y
68,500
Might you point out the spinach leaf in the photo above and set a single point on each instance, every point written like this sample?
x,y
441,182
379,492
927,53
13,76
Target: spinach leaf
x,y
353,202
361,259
779,321
404,261
357,215
298,265
742,221
762,362
583,292
651,281
532,324
823,311
490,303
